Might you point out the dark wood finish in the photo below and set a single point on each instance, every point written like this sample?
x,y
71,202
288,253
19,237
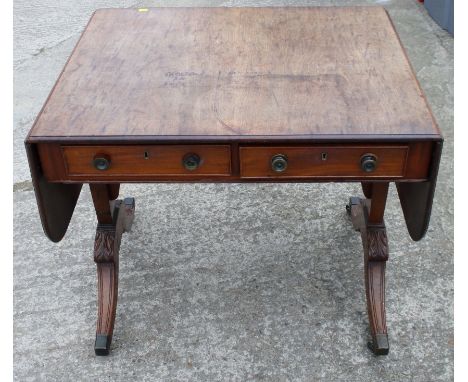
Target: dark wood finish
x,y
237,72
51,160
229,88
367,189
416,199
55,201
379,199
419,159
164,162
248,139
147,160
255,162
114,190
101,194
114,218
367,217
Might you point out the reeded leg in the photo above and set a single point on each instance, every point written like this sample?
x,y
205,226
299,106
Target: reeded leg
x,y
114,218
367,217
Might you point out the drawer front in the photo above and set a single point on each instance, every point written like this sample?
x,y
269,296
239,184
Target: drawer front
x,y
323,161
152,160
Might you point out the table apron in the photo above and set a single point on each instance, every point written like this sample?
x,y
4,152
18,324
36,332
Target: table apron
x,y
234,163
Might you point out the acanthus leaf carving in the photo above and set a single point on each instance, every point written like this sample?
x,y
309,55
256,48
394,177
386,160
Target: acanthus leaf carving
x,y
377,244
104,246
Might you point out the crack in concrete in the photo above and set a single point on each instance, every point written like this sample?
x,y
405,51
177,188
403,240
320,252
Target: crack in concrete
x,y
44,49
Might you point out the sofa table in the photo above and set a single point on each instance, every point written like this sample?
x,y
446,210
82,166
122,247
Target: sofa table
x,y
306,94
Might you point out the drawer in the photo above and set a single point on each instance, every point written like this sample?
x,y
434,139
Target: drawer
x,y
152,160
323,161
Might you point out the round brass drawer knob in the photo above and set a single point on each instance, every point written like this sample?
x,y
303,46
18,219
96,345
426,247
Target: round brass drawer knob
x,y
279,163
191,161
368,162
101,162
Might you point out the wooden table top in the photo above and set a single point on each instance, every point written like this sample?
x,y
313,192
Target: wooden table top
x,y
237,73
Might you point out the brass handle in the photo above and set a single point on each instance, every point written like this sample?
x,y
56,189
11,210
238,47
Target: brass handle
x,y
368,162
279,163
191,161
101,162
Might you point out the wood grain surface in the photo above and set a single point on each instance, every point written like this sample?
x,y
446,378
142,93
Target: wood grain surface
x,y
324,161
148,160
237,72
233,163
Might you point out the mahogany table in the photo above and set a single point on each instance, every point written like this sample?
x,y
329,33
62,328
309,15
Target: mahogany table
x,y
235,95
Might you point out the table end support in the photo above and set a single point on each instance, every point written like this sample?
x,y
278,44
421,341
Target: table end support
x,y
368,219
102,344
114,218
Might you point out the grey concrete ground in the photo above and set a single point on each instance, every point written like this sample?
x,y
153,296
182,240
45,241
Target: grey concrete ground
x,y
234,282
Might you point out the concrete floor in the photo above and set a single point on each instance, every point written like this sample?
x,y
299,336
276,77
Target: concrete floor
x,y
237,282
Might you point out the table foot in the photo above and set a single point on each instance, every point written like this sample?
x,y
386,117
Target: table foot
x,y
102,344
106,256
375,244
379,345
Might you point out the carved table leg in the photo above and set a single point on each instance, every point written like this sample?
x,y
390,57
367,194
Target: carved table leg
x,y
114,218
367,217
